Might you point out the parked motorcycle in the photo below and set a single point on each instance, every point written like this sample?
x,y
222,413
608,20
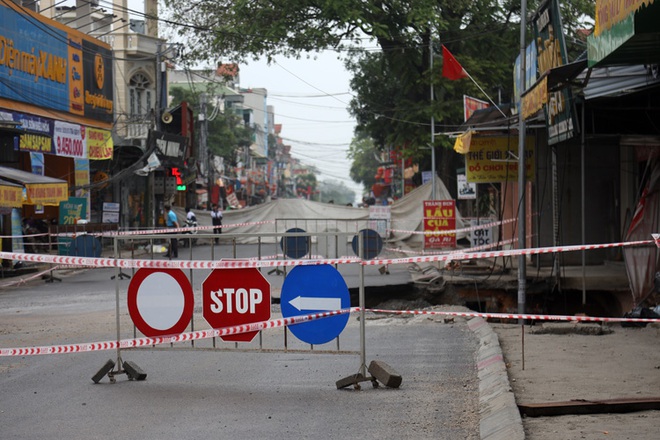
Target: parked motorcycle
x,y
190,223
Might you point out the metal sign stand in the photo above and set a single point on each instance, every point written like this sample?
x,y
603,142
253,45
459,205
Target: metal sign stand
x,y
378,370
132,370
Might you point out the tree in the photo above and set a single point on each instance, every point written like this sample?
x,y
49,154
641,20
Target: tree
x,y
393,104
363,154
306,186
335,192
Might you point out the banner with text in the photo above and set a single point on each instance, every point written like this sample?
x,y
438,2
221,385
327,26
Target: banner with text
x,y
439,216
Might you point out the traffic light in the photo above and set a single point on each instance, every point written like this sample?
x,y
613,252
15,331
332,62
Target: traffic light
x,y
179,179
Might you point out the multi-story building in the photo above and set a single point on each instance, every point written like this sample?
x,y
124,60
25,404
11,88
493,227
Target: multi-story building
x,y
140,62
57,113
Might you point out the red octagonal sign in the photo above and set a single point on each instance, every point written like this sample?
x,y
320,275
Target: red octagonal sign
x,y
235,297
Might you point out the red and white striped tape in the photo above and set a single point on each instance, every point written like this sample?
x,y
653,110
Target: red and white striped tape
x,y
472,249
182,229
527,317
167,264
282,322
183,337
233,264
463,255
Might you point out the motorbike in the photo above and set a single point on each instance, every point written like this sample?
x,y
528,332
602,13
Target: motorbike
x,y
190,223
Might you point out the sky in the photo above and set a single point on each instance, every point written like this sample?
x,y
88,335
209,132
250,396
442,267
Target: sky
x,y
310,99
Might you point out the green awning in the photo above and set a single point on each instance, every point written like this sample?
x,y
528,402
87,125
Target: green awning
x,y
633,40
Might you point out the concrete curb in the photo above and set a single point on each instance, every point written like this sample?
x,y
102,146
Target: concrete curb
x,y
498,412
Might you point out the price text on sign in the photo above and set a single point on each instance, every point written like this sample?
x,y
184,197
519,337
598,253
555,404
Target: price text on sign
x,y
232,297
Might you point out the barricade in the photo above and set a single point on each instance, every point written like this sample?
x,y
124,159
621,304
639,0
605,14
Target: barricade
x,y
236,252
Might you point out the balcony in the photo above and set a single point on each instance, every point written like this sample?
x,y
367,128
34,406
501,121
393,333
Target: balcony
x,y
137,128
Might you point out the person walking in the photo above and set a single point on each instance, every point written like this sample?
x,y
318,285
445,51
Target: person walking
x,y
216,220
171,221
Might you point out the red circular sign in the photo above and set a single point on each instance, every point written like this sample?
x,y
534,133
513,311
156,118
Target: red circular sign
x,y
160,301
233,297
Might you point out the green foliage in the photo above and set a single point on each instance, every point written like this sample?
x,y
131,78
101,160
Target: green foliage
x,y
335,192
305,183
392,85
362,153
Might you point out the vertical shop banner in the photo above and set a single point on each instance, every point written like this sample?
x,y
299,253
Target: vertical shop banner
x,y
37,163
81,181
552,52
16,232
439,216
69,140
70,212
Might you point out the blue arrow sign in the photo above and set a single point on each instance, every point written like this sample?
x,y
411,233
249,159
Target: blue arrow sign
x,y
314,289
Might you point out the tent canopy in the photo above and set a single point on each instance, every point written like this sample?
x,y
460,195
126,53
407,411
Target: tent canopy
x,y
40,190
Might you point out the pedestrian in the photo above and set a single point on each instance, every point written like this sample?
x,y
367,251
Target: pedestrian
x,y
216,220
171,221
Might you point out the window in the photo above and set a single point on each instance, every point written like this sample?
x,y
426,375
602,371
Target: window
x,y
139,95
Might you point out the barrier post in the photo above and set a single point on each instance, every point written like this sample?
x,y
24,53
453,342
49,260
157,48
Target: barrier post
x,y
363,350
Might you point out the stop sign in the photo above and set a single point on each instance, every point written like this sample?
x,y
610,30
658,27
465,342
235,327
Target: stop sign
x,y
235,297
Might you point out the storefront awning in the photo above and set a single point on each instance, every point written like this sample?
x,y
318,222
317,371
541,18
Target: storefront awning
x,y
40,190
628,40
11,195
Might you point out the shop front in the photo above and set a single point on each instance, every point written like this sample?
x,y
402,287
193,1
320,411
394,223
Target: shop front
x,y
56,115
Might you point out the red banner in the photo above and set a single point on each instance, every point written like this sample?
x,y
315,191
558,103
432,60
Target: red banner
x,y
439,216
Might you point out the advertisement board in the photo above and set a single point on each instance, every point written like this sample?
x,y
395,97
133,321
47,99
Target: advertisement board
x,y
439,216
50,66
495,159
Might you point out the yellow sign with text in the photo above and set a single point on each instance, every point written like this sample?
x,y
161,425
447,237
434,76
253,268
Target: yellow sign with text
x,y
99,144
495,159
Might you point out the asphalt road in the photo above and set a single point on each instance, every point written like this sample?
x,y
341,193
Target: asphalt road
x,y
231,393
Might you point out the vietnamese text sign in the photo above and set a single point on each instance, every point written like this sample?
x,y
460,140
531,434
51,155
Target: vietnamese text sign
x,y
481,237
439,216
495,159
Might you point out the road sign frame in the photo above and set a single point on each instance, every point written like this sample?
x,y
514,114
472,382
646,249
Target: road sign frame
x,y
249,273
327,284
137,316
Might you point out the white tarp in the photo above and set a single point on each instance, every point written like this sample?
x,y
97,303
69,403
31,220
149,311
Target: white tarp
x,y
283,214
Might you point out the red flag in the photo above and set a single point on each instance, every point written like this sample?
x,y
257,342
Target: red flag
x,y
450,67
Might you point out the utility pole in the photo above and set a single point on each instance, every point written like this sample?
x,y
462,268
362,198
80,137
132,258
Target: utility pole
x,y
522,217
158,110
203,147
432,117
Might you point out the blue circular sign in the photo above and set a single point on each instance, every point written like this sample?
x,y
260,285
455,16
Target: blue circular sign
x,y
313,289
372,244
295,247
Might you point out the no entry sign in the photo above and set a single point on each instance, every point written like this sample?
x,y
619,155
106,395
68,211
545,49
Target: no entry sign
x,y
235,297
160,301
